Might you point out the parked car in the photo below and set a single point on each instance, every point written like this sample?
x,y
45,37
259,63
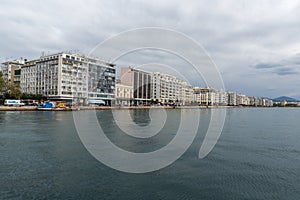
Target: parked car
x,y
98,102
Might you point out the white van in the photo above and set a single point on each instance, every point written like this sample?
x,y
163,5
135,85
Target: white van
x,y
96,102
12,102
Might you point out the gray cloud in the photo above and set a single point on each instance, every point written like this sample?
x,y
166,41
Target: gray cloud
x,y
285,71
248,40
284,67
265,65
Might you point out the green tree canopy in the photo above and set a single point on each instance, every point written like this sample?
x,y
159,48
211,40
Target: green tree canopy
x,y
2,82
13,92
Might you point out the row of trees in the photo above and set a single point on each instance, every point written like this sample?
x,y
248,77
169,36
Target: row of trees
x,y
11,91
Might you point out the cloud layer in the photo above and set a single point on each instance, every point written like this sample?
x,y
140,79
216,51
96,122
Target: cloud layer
x,y
256,44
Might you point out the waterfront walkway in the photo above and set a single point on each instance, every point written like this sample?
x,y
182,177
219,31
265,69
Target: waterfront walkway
x,y
33,108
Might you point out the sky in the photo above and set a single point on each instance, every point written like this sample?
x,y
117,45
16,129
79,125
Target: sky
x,y
255,44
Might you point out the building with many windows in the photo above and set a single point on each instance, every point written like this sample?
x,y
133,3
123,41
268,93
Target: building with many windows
x,y
12,71
169,89
67,76
140,82
205,96
156,87
231,98
242,99
124,95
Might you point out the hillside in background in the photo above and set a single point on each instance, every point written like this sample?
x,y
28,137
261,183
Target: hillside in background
x,y
288,99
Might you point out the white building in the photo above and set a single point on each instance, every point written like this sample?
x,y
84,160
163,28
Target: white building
x,y
123,94
222,98
206,96
12,70
242,99
169,89
156,87
253,101
231,98
188,94
264,102
68,76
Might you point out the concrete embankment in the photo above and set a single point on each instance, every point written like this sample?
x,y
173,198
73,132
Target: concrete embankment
x,y
33,108
17,108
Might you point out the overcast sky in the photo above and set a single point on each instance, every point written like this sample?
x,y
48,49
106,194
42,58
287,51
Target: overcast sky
x,y
255,44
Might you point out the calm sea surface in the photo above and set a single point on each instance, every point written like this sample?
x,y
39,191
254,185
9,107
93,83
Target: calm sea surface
x,y
256,157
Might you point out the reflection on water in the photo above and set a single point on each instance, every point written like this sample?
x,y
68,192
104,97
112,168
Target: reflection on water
x,y
140,116
125,141
257,157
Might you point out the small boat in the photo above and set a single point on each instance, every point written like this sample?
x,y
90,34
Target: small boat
x,y
52,106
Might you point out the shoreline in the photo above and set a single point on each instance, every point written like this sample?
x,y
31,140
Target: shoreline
x,y
33,108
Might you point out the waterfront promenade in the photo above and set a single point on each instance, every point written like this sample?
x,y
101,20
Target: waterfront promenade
x,y
33,108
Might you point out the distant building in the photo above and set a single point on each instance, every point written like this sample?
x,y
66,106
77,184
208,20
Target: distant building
x,y
12,71
124,94
196,95
260,102
231,98
222,98
242,99
283,103
140,82
187,94
67,76
206,96
253,101
269,102
156,87
168,89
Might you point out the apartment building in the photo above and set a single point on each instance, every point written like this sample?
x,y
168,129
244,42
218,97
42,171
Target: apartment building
x,y
222,98
68,76
242,99
188,94
156,87
231,98
205,96
253,101
169,89
123,94
12,71
264,102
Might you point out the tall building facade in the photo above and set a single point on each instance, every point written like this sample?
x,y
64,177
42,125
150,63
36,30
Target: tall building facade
x,y
156,87
167,88
101,78
205,96
140,82
124,95
231,98
67,76
12,71
242,99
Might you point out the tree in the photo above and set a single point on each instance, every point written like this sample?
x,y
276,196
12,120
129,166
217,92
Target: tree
x,y
2,83
32,96
14,91
2,86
